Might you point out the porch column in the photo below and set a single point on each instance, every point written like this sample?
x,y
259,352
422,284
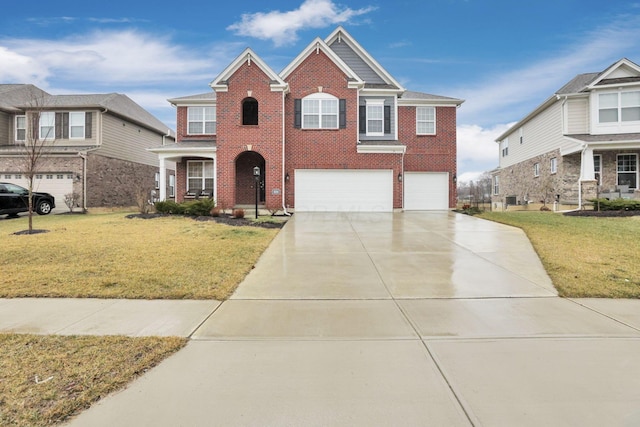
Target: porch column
x,y
163,179
587,173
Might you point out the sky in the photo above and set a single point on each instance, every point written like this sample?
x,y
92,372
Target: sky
x,y
503,57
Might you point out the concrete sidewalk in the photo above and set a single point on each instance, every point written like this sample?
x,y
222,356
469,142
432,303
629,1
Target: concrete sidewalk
x,y
381,319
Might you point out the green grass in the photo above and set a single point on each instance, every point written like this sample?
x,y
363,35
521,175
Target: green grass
x,y
584,256
110,256
46,379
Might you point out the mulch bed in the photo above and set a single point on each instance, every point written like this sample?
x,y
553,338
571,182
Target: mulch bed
x,y
603,214
222,219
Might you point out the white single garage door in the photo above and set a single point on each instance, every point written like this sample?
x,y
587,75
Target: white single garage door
x,y
426,191
343,190
57,184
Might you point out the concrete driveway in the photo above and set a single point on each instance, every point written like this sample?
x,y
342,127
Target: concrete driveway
x,y
406,319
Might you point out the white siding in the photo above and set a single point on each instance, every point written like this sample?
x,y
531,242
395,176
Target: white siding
x,y
540,135
5,129
578,116
124,140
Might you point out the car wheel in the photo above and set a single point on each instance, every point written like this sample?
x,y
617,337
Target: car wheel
x,y
44,207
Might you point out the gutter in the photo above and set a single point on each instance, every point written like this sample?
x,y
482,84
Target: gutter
x,y
284,183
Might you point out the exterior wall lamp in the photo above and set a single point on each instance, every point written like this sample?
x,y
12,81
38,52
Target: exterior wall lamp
x,y
400,177
455,178
287,177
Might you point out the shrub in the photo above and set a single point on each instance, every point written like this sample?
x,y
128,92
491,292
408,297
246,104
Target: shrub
x,y
216,212
71,200
169,207
201,207
238,213
617,204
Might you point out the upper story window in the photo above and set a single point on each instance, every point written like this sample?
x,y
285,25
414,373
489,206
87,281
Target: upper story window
x,y
504,147
201,120
521,135
375,117
21,128
77,125
249,111
320,111
425,120
619,107
47,125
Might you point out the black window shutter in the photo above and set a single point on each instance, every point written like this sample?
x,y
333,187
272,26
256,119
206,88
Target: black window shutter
x,y
342,105
65,125
297,113
87,125
387,119
58,125
363,119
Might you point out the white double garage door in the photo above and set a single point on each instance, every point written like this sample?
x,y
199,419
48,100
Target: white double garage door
x,y
358,190
56,184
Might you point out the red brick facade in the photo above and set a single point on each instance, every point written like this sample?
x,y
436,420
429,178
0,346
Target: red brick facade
x,y
240,146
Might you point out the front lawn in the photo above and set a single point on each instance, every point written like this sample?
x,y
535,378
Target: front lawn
x,y
110,256
46,379
584,256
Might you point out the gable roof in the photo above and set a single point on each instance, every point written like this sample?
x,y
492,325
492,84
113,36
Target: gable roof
x,y
316,46
368,69
248,56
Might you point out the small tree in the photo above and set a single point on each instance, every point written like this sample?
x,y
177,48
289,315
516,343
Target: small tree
x,y
36,144
71,200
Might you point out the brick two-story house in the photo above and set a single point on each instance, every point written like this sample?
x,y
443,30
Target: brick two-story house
x,y
333,131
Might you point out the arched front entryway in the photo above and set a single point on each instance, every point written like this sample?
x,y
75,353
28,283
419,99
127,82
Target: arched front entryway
x,y
245,182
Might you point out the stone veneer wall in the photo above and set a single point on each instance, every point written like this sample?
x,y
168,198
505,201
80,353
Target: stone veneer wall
x,y
116,183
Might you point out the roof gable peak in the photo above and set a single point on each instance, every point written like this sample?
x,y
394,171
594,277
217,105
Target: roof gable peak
x,y
249,57
623,68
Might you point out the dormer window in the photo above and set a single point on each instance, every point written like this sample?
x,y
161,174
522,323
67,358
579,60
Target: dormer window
x,y
249,111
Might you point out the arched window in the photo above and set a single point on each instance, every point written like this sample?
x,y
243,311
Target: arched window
x,y
249,111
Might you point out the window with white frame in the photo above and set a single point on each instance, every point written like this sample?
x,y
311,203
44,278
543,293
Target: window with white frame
x,y
172,185
425,120
375,117
21,128
496,185
47,125
201,120
76,124
628,170
597,168
619,107
536,169
199,176
504,147
320,111
521,135
157,180
553,165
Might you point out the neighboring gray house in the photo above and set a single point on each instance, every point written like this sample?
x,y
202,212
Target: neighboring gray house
x,y
99,145
581,142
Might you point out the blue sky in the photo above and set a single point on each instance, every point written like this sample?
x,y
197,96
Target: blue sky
x,y
503,57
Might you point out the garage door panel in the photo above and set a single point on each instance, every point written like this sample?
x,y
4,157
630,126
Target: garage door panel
x,y
426,191
56,184
328,190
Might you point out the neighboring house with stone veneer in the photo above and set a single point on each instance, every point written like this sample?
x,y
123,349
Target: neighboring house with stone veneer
x,y
98,145
334,131
582,142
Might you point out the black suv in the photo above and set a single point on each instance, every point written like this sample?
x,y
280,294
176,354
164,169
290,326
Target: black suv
x,y
15,199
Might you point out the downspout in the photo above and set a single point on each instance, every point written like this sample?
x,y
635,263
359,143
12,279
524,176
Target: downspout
x,y
284,183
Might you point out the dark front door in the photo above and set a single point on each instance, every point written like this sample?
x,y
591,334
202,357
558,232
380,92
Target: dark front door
x,y
245,181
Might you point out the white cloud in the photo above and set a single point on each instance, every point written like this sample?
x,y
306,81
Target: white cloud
x,y
477,149
108,57
17,68
282,27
